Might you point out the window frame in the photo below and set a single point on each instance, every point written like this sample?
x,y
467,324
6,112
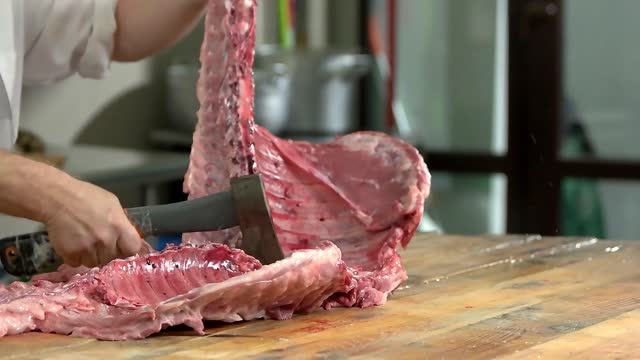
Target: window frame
x,y
532,164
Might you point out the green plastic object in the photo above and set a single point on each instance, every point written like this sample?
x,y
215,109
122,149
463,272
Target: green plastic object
x,y
582,210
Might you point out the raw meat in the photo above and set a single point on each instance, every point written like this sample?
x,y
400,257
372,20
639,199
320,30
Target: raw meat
x,y
316,193
341,212
222,145
136,297
364,192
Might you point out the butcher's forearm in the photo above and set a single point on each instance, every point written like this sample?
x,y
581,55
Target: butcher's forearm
x,y
30,189
146,27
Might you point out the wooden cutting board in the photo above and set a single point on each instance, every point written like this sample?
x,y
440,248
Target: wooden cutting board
x,y
510,297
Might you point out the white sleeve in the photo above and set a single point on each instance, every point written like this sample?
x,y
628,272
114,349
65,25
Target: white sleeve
x,y
64,37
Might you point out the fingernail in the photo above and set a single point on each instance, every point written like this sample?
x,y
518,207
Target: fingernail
x,y
145,249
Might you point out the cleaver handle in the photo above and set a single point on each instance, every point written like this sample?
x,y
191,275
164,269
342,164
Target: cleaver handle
x,y
28,254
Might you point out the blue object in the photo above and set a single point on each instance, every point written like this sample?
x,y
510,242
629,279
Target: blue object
x,y
162,241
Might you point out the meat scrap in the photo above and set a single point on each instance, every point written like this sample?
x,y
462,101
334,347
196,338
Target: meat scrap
x,y
341,212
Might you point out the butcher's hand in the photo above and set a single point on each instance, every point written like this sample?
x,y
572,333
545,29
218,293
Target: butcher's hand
x,y
91,228
86,224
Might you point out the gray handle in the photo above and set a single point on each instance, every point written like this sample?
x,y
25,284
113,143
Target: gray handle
x,y
28,254
209,213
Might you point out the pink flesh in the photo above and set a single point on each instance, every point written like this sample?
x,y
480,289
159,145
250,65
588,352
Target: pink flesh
x,y
364,192
222,143
136,297
341,211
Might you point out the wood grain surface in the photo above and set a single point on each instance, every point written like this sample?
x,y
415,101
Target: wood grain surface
x,y
515,297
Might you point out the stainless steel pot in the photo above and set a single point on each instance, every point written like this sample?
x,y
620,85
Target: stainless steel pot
x,y
300,92
182,102
324,92
272,78
271,103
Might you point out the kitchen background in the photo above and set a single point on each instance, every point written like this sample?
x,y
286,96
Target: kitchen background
x,y
131,131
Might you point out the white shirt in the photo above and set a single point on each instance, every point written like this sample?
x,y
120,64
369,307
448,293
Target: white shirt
x,y
48,40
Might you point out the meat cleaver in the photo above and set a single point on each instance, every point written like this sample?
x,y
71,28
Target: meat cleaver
x,y
244,205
